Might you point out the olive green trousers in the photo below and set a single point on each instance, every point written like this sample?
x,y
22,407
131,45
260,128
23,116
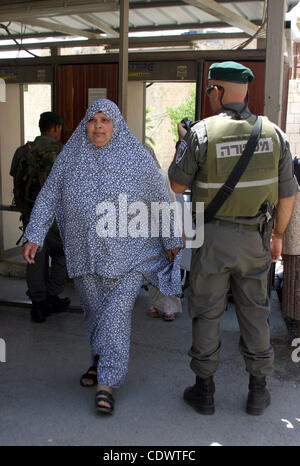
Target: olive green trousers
x,y
232,256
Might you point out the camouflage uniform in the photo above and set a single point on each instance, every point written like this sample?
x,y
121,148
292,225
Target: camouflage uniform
x,y
40,281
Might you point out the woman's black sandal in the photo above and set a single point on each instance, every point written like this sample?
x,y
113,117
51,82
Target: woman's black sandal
x,y
107,398
89,376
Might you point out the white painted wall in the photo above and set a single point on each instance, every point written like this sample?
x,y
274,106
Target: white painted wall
x,y
293,117
10,140
37,99
135,112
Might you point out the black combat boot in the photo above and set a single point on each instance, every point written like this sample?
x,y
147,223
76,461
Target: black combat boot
x,y
258,396
39,311
57,304
201,395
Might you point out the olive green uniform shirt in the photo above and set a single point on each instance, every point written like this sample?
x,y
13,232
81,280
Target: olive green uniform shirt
x,y
191,156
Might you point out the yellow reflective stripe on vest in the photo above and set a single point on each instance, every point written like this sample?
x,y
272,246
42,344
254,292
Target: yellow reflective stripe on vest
x,y
241,184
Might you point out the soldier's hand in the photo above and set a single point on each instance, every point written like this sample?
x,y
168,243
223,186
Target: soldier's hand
x,y
29,252
181,130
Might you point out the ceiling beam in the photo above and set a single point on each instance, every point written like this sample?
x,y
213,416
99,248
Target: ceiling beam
x,y
166,3
178,26
59,28
224,14
134,42
186,55
48,8
99,24
162,27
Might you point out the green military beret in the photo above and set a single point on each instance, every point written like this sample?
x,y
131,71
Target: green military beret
x,y
50,117
230,71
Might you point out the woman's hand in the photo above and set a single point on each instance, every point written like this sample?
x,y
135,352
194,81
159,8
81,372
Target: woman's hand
x,y
29,251
172,253
276,247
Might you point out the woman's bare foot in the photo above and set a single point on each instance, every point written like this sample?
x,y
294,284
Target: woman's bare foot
x,y
101,397
89,378
168,316
153,312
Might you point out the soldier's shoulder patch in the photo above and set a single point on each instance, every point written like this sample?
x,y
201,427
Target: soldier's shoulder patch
x,y
181,151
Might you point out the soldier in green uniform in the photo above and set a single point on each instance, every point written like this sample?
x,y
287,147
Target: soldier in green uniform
x,y
239,245
30,167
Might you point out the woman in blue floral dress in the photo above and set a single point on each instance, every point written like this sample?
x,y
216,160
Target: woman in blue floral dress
x,y
101,191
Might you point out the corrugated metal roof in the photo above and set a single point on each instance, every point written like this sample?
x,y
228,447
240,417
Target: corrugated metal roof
x,y
26,18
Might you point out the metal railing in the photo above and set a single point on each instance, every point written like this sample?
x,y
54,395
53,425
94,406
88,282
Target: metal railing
x,y
10,208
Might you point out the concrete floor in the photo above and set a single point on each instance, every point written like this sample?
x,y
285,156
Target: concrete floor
x,y
42,402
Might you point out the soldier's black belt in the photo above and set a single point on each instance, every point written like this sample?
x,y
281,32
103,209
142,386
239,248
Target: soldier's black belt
x,y
236,224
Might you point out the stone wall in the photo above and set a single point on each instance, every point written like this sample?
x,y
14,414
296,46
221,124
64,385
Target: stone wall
x,y
159,96
293,117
